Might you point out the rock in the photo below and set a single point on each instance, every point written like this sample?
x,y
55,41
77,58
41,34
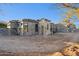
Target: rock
x,y
56,54
77,52
69,51
72,49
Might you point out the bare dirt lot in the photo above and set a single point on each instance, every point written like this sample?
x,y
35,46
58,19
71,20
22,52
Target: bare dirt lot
x,y
35,45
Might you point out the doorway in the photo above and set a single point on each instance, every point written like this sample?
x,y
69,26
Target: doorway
x,y
36,28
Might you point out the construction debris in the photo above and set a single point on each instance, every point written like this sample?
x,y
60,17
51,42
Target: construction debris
x,y
72,49
56,54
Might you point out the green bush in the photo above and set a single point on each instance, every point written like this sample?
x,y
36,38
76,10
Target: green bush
x,y
2,25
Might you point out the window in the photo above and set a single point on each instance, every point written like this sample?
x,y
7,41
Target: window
x,y
47,26
36,27
26,27
51,28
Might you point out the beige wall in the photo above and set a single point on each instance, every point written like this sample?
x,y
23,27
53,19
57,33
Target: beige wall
x,y
61,28
8,25
30,30
43,27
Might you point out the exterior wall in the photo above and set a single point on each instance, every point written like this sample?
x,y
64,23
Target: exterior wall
x,y
28,28
61,28
31,29
52,28
8,25
44,27
13,27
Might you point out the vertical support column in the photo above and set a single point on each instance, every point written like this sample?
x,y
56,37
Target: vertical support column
x,y
21,30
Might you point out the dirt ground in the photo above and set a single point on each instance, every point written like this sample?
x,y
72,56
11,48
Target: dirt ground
x,y
35,45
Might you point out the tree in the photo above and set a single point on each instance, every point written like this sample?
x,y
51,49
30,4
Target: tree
x,y
2,25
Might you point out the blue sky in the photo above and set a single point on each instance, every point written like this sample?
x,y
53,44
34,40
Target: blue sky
x,y
53,12
34,11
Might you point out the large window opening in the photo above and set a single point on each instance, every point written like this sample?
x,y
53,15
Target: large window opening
x,y
36,27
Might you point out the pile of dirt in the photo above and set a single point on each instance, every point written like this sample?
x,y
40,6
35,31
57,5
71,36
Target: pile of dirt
x,y
71,49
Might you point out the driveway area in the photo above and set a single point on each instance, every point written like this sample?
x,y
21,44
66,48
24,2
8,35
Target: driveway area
x,y
35,45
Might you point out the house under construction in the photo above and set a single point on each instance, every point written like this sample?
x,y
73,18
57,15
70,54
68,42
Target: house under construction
x,y
34,27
